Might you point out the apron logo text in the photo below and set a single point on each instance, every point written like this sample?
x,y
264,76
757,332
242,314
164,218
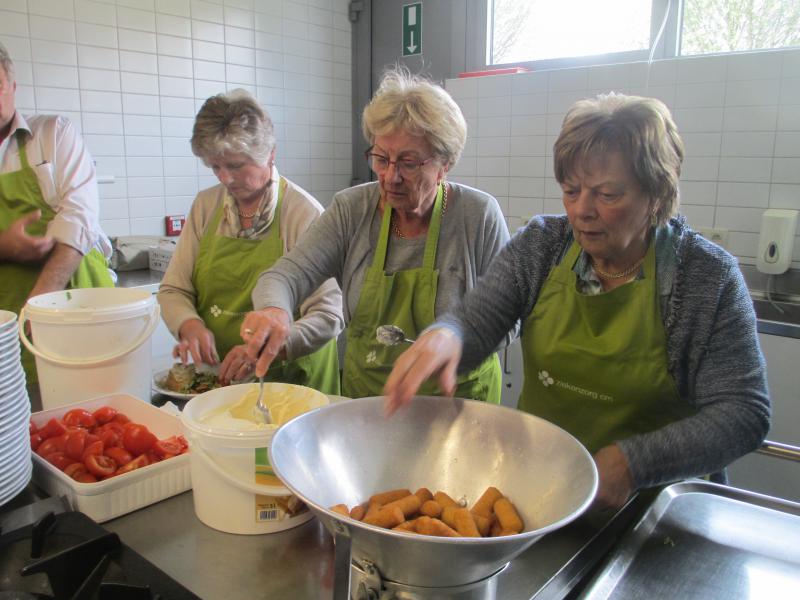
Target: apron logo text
x,y
546,380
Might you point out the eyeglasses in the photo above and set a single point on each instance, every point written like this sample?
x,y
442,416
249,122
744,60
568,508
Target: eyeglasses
x,y
408,167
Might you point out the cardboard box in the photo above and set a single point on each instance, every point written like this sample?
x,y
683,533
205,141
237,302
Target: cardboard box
x,y
159,257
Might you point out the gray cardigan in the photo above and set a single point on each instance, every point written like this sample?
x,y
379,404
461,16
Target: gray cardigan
x,y
342,242
712,345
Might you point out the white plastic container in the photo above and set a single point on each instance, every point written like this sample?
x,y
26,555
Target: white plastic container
x,y
90,342
125,493
234,488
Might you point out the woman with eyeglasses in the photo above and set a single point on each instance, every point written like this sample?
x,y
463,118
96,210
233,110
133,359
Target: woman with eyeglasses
x,y
404,249
233,231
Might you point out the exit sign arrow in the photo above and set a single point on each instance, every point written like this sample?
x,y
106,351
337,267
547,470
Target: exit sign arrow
x,y
412,29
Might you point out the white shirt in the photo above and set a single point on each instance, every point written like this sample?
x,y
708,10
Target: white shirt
x,y
66,175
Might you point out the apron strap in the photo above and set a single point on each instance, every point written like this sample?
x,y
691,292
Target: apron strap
x,y
274,234
23,155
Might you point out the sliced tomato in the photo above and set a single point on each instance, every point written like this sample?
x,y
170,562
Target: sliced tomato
x,y
120,455
104,414
53,428
59,460
53,444
121,418
75,468
75,444
86,477
137,439
110,437
79,417
93,448
100,465
136,463
32,428
36,441
168,447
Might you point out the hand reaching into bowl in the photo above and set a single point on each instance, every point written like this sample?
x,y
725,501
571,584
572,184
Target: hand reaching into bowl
x,y
436,352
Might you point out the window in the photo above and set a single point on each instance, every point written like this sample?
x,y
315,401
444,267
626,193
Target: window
x,y
711,26
558,33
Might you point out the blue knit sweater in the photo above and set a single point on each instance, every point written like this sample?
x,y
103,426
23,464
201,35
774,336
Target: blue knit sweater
x,y
712,344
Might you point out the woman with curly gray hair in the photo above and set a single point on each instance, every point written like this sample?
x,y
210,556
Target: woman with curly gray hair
x,y
403,248
234,231
639,336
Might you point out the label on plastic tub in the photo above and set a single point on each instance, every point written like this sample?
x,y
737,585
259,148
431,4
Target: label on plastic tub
x,y
273,508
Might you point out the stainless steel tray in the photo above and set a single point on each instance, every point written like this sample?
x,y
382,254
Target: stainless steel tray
x,y
701,540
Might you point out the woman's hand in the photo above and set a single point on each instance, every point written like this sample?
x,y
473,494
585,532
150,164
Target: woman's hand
x,y
616,483
235,366
197,341
264,332
437,351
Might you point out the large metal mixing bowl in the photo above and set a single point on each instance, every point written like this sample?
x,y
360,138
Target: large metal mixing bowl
x,y
345,452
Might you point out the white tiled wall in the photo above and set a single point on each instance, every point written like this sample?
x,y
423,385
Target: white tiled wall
x,y
131,74
739,116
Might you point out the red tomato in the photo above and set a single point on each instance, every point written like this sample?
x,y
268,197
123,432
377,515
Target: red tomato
x,y
137,439
32,428
79,417
136,463
86,477
153,458
53,444
110,437
59,460
168,447
121,419
36,441
100,465
52,428
75,468
93,448
120,455
76,441
104,414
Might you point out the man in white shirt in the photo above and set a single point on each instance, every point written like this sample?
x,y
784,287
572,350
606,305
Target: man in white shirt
x,y
50,236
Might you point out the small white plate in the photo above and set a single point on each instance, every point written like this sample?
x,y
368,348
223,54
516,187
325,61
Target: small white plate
x,y
159,379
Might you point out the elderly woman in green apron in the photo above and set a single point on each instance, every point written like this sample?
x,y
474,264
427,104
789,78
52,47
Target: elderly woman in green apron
x,y
234,231
404,248
639,336
50,236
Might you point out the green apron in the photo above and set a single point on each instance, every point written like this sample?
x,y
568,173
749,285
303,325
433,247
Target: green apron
x,y
225,274
20,194
597,365
406,299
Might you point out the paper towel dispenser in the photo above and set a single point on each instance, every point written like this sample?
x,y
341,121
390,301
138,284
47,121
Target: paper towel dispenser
x,y
776,241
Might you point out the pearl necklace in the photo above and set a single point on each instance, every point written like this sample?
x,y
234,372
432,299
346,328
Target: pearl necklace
x,y
619,275
396,229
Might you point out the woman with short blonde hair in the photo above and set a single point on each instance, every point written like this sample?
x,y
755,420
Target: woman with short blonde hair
x,y
403,248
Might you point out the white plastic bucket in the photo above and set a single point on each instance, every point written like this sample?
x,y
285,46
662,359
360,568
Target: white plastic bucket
x,y
224,464
90,342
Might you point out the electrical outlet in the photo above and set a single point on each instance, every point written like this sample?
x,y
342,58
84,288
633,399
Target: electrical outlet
x,y
718,236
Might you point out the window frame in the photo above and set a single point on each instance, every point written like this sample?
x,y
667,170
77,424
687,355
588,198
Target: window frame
x,y
479,25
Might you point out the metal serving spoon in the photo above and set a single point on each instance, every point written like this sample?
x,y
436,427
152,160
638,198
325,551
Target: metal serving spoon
x,y
391,335
260,409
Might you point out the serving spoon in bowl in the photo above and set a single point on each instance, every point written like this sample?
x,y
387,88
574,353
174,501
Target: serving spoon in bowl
x,y
391,335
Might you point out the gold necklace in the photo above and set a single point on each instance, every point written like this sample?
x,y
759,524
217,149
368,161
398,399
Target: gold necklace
x,y
245,215
396,229
619,275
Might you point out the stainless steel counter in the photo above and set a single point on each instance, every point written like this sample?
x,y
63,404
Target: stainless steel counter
x,y
298,563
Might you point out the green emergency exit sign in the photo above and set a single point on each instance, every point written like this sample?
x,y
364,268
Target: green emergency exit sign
x,y
412,29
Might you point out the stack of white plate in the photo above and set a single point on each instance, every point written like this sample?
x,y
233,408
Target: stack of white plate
x,y
15,413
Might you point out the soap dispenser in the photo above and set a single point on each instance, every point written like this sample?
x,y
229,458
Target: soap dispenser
x,y
776,240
